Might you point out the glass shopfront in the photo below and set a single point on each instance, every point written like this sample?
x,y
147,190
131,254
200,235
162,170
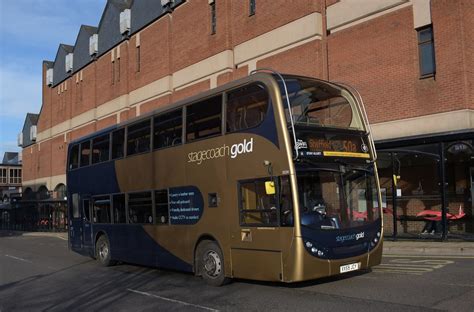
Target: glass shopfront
x,y
431,186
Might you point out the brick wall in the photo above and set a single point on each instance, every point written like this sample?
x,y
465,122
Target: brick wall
x,y
379,57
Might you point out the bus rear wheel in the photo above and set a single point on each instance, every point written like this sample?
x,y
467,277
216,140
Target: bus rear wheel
x,y
210,263
102,251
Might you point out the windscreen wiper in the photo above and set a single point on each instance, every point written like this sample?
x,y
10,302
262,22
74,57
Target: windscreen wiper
x,y
351,167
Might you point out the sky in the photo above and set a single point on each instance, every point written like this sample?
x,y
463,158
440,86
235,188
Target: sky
x,y
30,32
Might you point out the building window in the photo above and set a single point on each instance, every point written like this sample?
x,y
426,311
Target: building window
x,y
426,51
252,7
113,72
12,176
15,176
118,69
138,59
3,176
213,18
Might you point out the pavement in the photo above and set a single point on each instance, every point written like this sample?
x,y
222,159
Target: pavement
x,y
429,248
399,247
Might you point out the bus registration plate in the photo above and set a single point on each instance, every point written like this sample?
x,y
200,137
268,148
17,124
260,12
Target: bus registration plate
x,y
349,267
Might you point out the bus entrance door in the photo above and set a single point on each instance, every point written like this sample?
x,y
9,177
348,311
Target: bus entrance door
x,y
75,224
86,224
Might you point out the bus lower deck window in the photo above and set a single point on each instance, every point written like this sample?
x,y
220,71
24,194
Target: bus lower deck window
x,y
118,204
161,207
140,208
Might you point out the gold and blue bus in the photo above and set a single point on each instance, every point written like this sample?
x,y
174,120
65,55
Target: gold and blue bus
x,y
271,177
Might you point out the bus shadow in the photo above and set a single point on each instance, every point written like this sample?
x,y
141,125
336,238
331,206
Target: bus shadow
x,y
309,283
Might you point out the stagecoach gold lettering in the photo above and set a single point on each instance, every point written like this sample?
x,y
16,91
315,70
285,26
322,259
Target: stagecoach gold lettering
x,y
336,145
223,151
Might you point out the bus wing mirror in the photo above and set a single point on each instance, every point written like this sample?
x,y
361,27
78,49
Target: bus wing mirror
x,y
270,187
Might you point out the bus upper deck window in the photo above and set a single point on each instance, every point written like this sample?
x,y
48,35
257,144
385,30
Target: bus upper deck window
x,y
85,153
138,138
246,107
168,129
74,157
203,119
118,143
100,149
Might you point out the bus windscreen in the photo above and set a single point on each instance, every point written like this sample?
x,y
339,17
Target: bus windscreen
x,y
341,198
319,105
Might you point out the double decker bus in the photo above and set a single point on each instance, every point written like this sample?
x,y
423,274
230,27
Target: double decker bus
x,y
271,177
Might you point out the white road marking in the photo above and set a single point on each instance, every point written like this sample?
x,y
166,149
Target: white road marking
x,y
428,256
171,300
411,266
397,272
458,285
47,234
17,258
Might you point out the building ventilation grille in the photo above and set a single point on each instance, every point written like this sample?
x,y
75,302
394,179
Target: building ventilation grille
x,y
93,44
20,139
69,61
49,77
33,133
125,21
165,3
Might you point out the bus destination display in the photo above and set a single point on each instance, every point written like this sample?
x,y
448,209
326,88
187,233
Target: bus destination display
x,y
332,145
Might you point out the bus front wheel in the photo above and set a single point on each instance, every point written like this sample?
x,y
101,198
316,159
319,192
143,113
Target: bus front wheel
x,y
102,251
210,263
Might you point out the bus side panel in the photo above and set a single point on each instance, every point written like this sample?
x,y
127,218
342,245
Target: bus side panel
x,y
257,264
131,243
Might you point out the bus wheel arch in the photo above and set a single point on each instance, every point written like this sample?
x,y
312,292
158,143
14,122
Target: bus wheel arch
x,y
203,237
209,261
102,249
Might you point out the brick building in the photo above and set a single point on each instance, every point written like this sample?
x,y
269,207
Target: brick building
x,y
411,60
10,176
